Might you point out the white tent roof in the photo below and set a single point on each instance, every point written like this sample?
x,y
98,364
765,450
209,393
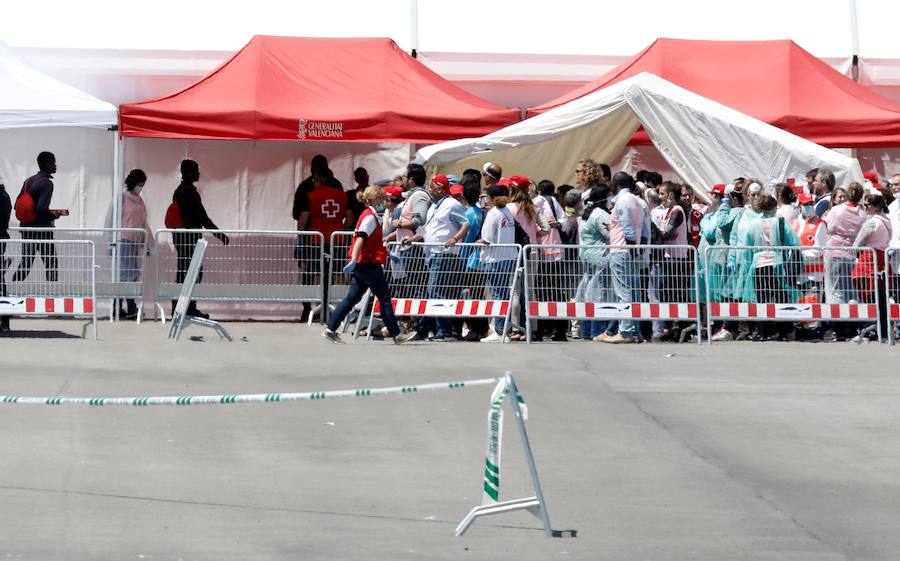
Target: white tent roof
x,y
29,98
704,142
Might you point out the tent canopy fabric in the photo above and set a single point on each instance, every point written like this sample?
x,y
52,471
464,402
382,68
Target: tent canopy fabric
x,y
318,89
704,142
29,98
774,81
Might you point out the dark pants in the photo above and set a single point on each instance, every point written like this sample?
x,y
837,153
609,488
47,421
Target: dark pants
x,y
770,289
550,279
184,247
372,277
29,252
4,320
476,281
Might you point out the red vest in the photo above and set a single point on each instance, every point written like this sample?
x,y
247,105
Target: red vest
x,y
807,233
327,208
373,250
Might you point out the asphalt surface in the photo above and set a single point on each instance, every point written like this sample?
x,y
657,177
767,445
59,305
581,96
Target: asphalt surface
x,y
740,451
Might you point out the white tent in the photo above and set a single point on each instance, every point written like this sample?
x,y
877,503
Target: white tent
x,y
703,141
39,113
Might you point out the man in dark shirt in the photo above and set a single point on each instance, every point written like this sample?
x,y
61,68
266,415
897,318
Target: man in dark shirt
x,y
194,217
5,212
361,178
318,166
40,187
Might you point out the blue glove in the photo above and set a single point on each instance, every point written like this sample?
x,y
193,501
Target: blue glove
x,y
349,267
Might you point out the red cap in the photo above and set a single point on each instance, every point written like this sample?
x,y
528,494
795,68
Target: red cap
x,y
519,182
393,191
718,189
456,189
805,198
871,176
790,181
505,182
441,180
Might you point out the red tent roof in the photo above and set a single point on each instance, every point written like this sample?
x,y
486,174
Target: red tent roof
x,y
299,88
774,81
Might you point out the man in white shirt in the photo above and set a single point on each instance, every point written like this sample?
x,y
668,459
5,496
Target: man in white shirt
x,y
445,226
894,215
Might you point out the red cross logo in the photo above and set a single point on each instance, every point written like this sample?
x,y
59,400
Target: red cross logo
x,y
330,208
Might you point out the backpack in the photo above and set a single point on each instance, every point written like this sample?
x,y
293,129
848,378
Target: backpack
x,y
25,207
173,216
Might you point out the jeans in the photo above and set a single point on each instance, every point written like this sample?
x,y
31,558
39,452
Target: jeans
x,y
625,282
371,276
439,286
129,260
499,275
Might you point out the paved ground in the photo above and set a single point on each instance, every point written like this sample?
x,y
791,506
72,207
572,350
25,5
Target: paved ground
x,y
735,452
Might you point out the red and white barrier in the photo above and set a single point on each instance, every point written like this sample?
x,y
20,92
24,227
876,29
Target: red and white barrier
x,y
47,306
611,310
749,311
447,308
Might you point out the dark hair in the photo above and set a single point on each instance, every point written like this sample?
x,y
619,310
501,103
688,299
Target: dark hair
x,y
471,192
641,175
827,178
877,200
622,179
654,178
546,188
811,174
318,163
135,176
765,203
499,195
360,170
417,173
677,189
855,192
786,193
44,160
472,171
597,198
607,173
189,167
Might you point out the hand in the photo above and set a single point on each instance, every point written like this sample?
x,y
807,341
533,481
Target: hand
x,y
395,223
223,238
553,223
349,267
56,213
406,240
450,243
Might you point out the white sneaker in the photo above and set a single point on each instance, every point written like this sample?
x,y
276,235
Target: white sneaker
x,y
723,335
492,338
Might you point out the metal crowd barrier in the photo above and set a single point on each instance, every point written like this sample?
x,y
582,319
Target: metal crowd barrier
x,y
121,258
256,265
612,283
790,283
42,276
466,280
338,284
892,291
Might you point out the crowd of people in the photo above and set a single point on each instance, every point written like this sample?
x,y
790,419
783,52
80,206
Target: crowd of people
x,y
609,238
614,238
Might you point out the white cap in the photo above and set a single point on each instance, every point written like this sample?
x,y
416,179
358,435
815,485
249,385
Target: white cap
x,y
754,188
729,188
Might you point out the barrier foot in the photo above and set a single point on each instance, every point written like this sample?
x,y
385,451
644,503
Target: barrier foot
x,y
531,504
223,333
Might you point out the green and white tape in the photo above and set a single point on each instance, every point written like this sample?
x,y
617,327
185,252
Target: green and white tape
x,y
491,486
240,398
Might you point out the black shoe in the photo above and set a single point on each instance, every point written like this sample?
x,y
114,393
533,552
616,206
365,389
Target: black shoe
x,y
472,336
560,337
197,314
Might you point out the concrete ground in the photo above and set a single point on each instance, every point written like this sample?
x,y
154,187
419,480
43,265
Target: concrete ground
x,y
741,451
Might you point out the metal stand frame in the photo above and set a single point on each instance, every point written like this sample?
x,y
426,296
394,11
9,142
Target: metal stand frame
x,y
179,318
536,504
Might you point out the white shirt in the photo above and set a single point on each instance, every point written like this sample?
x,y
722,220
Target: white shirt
x,y
894,215
445,217
498,230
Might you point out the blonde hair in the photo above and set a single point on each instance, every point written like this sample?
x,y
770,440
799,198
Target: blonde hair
x,y
371,194
591,174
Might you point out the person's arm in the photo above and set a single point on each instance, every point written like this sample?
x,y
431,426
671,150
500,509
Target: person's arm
x,y
458,218
42,201
625,221
865,232
348,218
420,203
302,220
301,205
671,228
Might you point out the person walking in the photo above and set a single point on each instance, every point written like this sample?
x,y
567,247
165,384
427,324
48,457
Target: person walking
x,y
5,212
365,261
40,188
193,217
133,244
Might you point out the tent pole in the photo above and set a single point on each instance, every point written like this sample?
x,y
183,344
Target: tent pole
x,y
854,41
414,26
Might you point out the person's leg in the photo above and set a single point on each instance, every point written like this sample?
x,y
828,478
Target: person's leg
x,y
28,251
373,277
499,276
48,255
355,293
623,287
4,320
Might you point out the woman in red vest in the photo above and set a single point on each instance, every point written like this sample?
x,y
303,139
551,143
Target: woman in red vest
x,y
367,255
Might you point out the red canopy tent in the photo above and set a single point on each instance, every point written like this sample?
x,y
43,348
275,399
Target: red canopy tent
x,y
300,88
774,81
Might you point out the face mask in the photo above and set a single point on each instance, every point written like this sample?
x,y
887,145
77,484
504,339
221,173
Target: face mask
x,y
379,208
807,210
138,189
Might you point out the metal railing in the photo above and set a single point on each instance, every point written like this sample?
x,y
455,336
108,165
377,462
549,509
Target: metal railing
x,y
254,265
602,283
42,276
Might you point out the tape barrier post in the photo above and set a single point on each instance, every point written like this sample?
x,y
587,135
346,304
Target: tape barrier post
x,y
490,502
180,317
